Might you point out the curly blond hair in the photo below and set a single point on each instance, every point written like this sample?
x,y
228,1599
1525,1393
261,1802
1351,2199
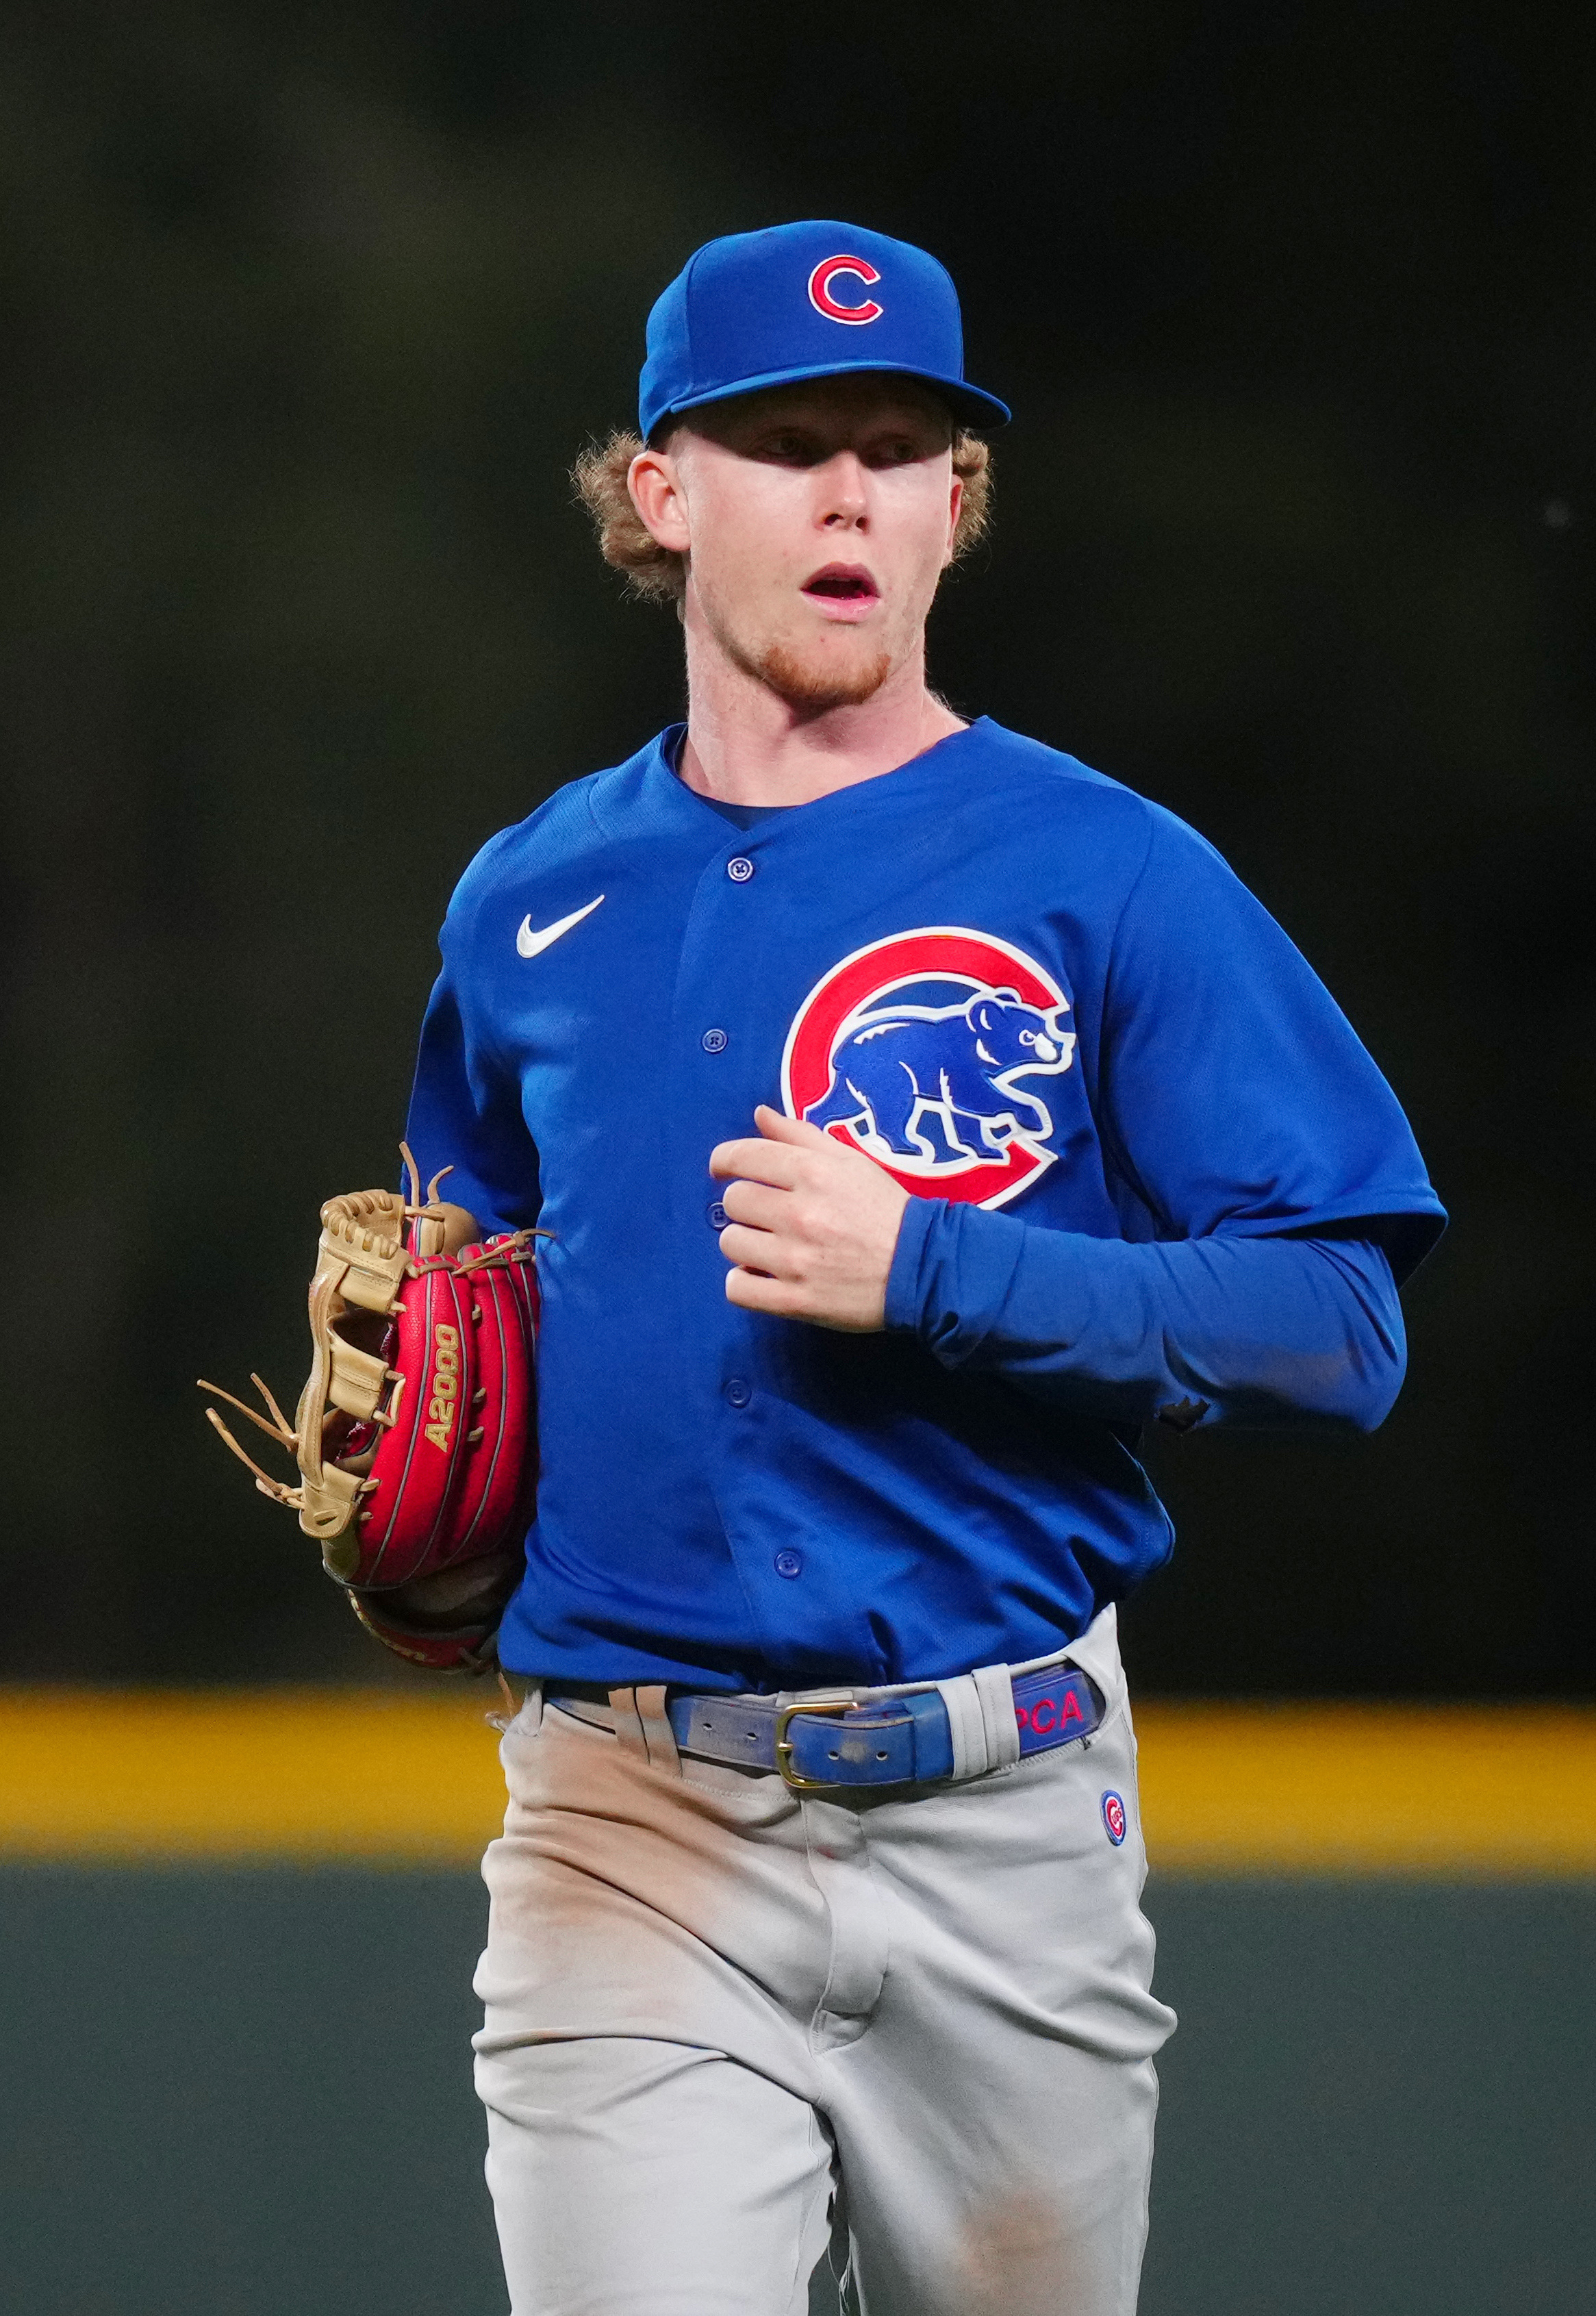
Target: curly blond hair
x,y
659,574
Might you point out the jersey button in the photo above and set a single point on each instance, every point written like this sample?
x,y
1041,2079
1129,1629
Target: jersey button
x,y
739,868
738,1391
713,1041
789,1564
719,1217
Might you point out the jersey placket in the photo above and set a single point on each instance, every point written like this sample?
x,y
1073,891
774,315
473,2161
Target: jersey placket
x,y
720,1068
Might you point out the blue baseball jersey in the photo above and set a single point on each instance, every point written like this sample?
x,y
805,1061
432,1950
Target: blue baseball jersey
x,y
1104,1074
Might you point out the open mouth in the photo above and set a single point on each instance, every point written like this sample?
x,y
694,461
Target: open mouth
x,y
842,582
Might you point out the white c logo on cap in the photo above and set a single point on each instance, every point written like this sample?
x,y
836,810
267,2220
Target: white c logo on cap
x,y
820,295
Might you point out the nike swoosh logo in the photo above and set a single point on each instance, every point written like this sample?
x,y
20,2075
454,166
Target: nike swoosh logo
x,y
531,944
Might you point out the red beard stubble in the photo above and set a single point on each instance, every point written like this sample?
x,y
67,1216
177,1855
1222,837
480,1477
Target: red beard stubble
x,y
811,690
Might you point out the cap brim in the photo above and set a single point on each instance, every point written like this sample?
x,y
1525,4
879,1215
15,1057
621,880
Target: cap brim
x,y
967,402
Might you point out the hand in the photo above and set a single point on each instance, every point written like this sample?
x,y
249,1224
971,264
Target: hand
x,y
813,1226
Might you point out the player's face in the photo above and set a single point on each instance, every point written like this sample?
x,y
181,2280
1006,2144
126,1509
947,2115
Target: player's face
x,y
816,520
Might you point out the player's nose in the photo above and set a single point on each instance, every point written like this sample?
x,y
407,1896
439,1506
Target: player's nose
x,y
844,497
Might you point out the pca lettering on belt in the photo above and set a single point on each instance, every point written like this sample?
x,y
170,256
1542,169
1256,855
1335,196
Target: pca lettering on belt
x,y
446,1385
1050,1712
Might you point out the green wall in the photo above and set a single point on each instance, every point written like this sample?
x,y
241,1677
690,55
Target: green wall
x,y
247,2094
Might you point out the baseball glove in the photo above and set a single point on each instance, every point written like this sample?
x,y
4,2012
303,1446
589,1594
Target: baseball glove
x,y
415,1433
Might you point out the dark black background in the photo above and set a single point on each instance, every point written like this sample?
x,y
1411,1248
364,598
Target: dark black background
x,y
303,316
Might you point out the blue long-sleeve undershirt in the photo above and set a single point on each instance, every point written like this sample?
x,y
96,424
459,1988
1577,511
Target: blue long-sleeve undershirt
x,y
1243,1331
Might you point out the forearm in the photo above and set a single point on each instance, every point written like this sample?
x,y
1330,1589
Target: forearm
x,y
1217,1330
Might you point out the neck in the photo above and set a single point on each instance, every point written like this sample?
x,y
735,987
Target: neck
x,y
745,744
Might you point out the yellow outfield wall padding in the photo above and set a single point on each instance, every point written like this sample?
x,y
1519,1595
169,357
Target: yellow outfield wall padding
x,y
327,1774
380,1775
1370,1789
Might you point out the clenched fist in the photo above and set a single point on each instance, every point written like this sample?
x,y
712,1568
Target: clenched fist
x,y
812,1228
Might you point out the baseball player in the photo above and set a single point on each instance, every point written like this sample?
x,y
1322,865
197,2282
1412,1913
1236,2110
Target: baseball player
x,y
915,1115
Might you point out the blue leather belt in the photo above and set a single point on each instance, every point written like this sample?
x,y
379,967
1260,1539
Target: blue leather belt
x,y
817,1743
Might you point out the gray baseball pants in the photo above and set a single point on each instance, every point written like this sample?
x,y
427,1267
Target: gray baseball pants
x,y
727,2025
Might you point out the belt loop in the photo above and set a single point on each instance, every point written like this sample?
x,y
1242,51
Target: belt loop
x,y
995,1686
967,1725
643,1730
629,1724
658,1737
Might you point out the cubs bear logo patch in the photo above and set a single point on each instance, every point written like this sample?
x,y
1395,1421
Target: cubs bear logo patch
x,y
924,1051
1113,1818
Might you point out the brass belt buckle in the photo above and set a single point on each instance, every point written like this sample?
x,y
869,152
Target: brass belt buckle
x,y
785,1715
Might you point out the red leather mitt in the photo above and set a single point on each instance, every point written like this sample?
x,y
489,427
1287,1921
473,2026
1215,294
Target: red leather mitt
x,y
415,1434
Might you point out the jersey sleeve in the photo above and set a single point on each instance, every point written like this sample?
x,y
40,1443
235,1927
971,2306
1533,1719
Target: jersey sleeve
x,y
1234,1095
465,1105
1225,1330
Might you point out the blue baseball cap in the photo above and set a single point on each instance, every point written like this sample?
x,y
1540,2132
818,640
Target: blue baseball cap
x,y
817,299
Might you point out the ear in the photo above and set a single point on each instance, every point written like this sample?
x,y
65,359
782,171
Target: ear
x,y
955,501
654,484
